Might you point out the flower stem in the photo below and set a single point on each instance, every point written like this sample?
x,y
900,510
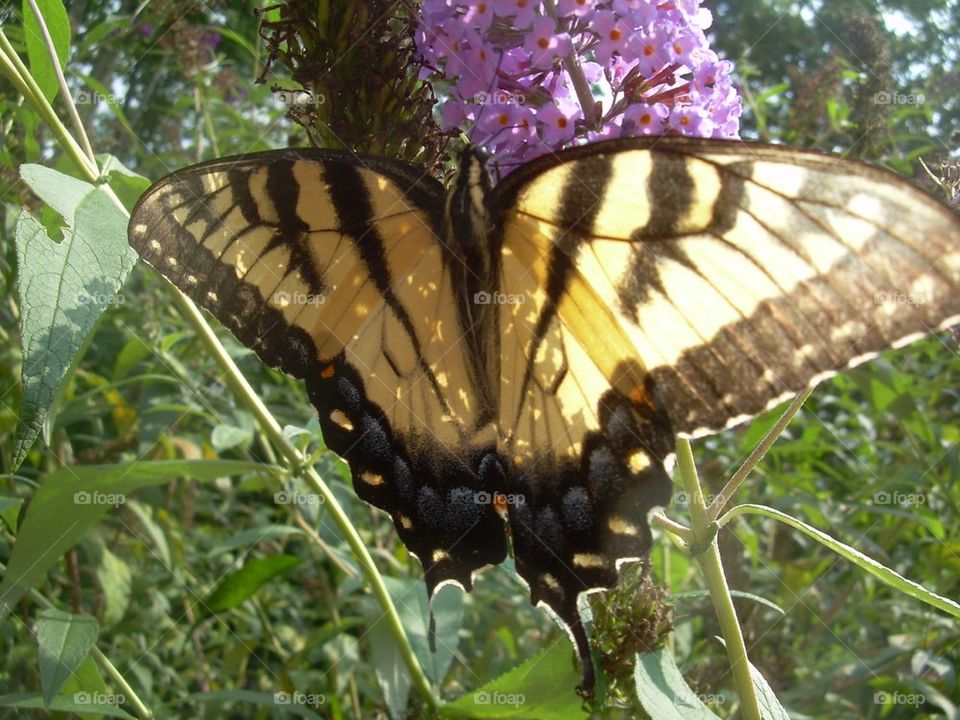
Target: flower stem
x,y
710,565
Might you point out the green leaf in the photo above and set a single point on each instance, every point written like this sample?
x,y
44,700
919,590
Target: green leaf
x,y
29,701
391,672
225,437
10,511
542,687
74,498
58,24
770,706
410,598
115,580
878,570
242,584
127,184
64,287
64,641
663,692
144,514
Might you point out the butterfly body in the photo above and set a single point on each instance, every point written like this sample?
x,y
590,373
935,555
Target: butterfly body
x,y
545,339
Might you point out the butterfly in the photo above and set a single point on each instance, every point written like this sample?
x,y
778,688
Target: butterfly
x,y
517,360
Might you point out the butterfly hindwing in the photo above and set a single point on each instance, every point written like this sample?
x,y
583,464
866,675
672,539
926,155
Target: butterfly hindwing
x,y
330,267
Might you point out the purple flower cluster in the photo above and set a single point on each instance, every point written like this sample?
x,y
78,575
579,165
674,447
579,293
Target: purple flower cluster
x,y
528,77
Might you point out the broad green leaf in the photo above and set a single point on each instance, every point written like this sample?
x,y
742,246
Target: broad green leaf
x,y
391,672
225,437
541,688
10,511
72,499
663,692
878,570
297,704
28,701
128,185
64,641
58,24
64,287
410,597
243,584
770,706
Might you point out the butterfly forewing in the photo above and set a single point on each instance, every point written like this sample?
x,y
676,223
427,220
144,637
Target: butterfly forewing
x,y
738,273
331,267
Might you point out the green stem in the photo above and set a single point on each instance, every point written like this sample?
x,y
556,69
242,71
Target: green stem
x,y
712,568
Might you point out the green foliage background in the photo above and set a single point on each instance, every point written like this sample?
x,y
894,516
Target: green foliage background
x,y
189,612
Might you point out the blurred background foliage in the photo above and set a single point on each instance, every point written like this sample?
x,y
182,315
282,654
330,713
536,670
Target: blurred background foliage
x,y
873,459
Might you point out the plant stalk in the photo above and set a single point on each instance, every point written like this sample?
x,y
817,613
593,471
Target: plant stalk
x,y
709,560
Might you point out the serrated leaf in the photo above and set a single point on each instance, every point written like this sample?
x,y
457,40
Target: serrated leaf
x,y
242,584
74,498
63,640
64,287
541,688
58,24
663,692
770,707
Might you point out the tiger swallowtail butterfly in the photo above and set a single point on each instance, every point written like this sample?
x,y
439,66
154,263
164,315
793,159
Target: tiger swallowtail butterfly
x,y
545,340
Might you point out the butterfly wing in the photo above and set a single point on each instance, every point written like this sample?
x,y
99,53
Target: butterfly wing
x,y
329,266
674,285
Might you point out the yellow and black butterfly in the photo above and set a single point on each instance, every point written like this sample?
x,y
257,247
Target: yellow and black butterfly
x,y
544,341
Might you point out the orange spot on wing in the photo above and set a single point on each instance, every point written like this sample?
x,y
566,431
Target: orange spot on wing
x,y
328,372
638,396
